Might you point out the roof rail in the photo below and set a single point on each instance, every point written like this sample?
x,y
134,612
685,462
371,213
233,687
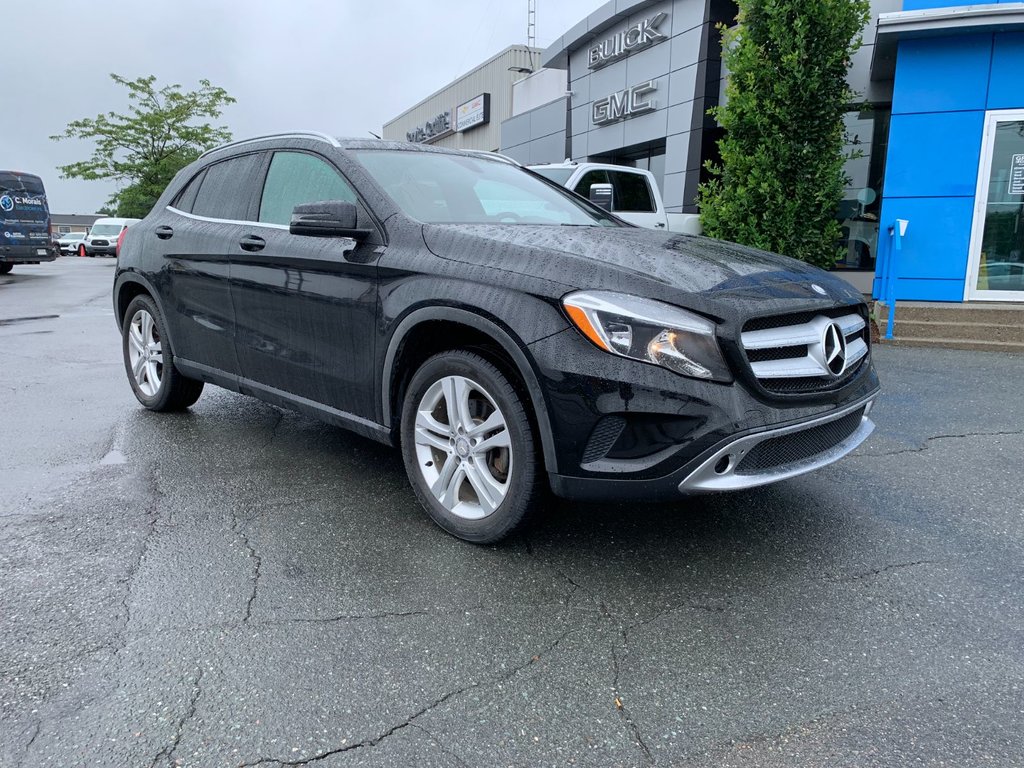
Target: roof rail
x,y
289,134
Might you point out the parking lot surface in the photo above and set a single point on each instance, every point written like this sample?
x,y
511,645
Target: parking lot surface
x,y
238,585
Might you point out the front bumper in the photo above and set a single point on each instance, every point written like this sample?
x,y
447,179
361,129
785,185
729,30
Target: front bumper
x,y
100,250
672,435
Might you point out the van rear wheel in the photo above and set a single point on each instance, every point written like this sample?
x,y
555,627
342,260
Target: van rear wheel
x,y
5,268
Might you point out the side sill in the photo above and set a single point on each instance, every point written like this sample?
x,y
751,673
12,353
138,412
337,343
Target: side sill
x,y
357,424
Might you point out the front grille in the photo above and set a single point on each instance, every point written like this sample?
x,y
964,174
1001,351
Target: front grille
x,y
806,352
605,433
798,446
100,242
776,353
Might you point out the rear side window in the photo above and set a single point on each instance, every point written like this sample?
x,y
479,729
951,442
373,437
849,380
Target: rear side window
x,y
226,188
632,192
591,177
187,197
295,178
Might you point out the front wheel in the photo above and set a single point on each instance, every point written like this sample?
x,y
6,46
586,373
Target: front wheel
x,y
469,447
149,362
5,268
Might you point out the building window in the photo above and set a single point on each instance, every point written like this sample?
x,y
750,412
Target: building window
x,y
867,134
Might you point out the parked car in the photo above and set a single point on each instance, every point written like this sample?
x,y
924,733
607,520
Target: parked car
x,y
103,235
630,193
505,334
70,242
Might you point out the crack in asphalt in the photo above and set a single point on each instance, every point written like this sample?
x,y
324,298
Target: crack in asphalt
x,y
410,721
236,526
273,429
441,745
152,511
623,710
32,739
878,571
381,615
168,751
631,725
924,446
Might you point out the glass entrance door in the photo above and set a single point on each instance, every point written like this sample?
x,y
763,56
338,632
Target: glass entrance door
x,y
996,271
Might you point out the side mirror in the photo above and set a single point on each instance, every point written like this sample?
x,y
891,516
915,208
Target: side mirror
x,y
328,218
603,196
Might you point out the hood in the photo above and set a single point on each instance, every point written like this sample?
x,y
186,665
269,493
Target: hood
x,y
711,276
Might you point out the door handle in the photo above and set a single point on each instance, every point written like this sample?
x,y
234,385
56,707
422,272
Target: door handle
x,y
660,224
164,232
252,243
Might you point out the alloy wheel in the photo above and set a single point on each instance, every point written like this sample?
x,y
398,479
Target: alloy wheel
x,y
463,447
145,353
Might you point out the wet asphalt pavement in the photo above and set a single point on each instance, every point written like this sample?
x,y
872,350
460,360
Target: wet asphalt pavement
x,y
239,585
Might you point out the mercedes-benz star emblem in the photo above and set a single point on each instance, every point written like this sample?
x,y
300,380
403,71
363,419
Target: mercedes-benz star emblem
x,y
833,344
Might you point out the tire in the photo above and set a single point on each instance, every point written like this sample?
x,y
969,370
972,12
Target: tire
x,y
5,268
157,384
484,492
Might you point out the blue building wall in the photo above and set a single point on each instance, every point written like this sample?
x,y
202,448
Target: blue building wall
x,y
943,87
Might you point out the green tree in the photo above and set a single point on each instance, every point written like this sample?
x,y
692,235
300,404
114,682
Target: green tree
x,y
781,177
163,132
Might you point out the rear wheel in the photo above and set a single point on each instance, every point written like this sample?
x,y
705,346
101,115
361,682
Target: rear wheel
x,y
5,268
469,448
149,362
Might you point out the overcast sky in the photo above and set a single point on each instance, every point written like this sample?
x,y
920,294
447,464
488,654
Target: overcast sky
x,y
343,67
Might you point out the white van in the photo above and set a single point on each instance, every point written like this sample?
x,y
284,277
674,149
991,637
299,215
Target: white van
x,y
102,237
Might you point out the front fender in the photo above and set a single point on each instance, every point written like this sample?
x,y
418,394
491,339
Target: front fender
x,y
513,347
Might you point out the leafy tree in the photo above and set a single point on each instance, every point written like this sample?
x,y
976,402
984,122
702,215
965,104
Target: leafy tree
x,y
142,150
781,176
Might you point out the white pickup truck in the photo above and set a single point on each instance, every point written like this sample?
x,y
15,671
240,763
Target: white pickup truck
x,y
635,196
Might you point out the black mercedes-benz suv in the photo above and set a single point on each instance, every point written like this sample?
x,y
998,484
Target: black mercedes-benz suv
x,y
505,333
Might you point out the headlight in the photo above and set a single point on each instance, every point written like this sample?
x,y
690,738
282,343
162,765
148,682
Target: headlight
x,y
649,331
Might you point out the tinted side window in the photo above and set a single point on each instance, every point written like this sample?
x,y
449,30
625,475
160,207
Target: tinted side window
x,y
226,188
295,178
187,197
590,177
632,192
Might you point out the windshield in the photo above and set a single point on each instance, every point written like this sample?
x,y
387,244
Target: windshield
x,y
106,230
438,188
557,175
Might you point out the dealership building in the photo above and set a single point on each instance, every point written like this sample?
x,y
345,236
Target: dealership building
x,y
938,138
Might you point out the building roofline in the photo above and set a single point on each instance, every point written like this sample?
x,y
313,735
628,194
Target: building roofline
x,y
556,56
938,22
462,77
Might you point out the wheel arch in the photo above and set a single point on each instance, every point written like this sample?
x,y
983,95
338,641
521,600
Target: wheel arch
x,y
127,286
481,325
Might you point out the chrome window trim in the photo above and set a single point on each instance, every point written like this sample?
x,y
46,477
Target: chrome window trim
x,y
317,135
212,220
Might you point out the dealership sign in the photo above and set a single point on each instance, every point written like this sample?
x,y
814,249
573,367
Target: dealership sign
x,y
641,35
432,129
629,102
474,112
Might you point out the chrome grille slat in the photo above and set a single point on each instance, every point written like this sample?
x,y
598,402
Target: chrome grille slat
x,y
777,370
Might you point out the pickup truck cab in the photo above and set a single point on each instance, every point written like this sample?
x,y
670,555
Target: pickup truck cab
x,y
635,194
